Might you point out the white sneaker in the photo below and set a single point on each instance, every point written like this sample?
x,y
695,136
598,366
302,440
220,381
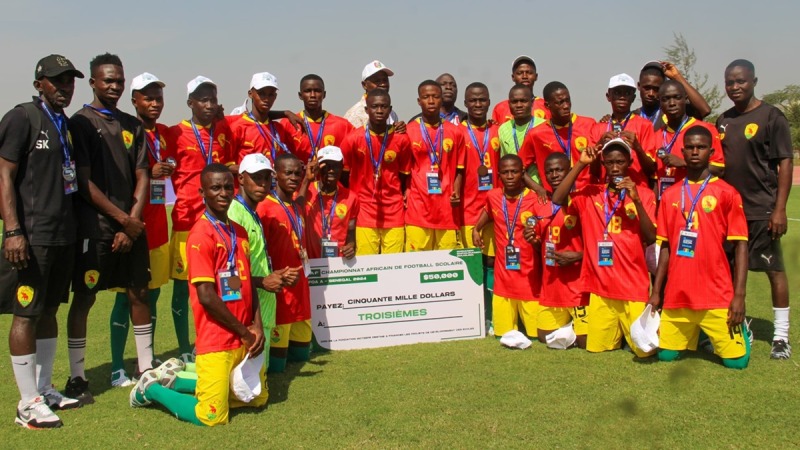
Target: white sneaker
x,y
36,415
119,378
148,378
55,400
168,372
187,357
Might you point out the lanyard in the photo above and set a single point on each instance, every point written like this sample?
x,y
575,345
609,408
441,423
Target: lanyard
x,y
568,146
668,147
104,111
61,125
510,226
623,123
376,163
481,149
554,210
327,219
435,148
295,220
694,200
270,136
610,214
155,148
652,118
208,155
253,214
449,117
218,227
516,139
315,143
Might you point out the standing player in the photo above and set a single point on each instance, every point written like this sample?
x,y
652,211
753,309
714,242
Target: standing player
x,y
113,180
433,214
194,144
321,127
374,76
651,77
695,219
523,71
758,148
377,164
517,272
617,223
512,133
37,183
448,112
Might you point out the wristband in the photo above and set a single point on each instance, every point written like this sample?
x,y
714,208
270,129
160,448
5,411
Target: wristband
x,y
12,233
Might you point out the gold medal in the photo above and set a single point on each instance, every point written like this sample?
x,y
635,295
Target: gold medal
x,y
483,170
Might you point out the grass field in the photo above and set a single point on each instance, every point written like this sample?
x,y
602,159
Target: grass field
x,y
458,394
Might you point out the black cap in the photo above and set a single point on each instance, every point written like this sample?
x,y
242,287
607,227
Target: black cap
x,y
523,59
53,66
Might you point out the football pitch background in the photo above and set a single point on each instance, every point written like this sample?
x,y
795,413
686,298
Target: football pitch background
x,y
458,394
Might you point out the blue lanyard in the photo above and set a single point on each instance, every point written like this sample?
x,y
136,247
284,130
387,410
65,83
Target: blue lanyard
x,y
510,226
296,221
218,227
668,147
253,214
694,200
481,150
652,119
315,143
269,136
327,219
376,164
514,128
155,149
104,111
449,117
554,210
568,147
61,126
208,155
624,123
610,214
434,147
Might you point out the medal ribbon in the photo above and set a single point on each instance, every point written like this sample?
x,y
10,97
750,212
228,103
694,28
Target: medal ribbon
x,y
516,139
315,143
327,219
510,226
438,144
610,214
207,155
376,164
218,227
694,200
481,149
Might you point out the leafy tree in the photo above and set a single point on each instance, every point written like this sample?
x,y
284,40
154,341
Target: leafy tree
x,y
680,54
788,101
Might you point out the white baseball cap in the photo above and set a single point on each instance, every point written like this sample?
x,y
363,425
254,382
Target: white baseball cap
x,y
262,80
246,379
196,82
515,339
617,142
146,79
255,162
622,79
373,68
330,153
562,338
644,330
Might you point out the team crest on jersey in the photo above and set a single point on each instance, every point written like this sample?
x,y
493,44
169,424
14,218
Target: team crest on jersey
x,y
127,138
24,295
581,143
538,113
221,139
750,130
709,203
570,222
90,278
329,139
495,143
523,218
447,145
389,156
341,210
630,210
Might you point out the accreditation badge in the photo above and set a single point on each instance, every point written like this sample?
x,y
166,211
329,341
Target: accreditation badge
x,y
230,285
158,191
687,242
605,253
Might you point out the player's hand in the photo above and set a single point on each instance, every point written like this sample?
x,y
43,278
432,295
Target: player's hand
x,y
220,113
349,250
588,155
132,226
671,160
400,127
777,223
607,136
530,235
257,346
274,281
630,138
455,199
736,311
248,339
161,170
122,243
654,302
670,70
566,258
477,239
295,121
630,186
312,168
291,275
605,118
15,250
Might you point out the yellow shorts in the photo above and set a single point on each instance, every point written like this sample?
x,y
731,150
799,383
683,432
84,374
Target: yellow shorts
x,y
681,327
374,241
159,268
551,318
611,321
214,396
296,332
506,313
177,252
421,239
488,238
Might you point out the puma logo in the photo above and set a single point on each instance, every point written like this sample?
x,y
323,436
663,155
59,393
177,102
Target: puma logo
x,y
548,145
44,132
766,258
675,204
195,247
121,325
177,312
723,127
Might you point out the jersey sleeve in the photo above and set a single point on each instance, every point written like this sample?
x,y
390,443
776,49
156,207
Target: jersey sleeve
x,y
737,222
527,151
15,128
142,161
404,153
459,141
347,152
718,158
647,140
780,137
201,257
661,221
649,202
285,133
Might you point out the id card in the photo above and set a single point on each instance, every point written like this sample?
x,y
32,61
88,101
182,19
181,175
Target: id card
x,y
330,248
687,243
663,184
549,249
605,253
70,178
434,183
158,191
230,285
512,258
485,181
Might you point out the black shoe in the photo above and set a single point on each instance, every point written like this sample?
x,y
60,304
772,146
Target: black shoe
x,y
78,388
780,349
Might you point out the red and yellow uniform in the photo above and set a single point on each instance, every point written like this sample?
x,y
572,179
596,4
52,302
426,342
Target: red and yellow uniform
x,y
327,130
183,146
271,137
154,216
666,138
485,141
700,288
502,112
643,129
516,291
548,138
432,223
337,217
380,218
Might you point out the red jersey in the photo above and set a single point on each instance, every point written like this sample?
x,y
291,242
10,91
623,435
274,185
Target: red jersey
x,y
337,217
207,253
425,209
561,285
704,280
270,138
627,278
190,158
328,130
525,283
380,199
284,246
665,138
473,196
154,216
643,129
548,138
502,112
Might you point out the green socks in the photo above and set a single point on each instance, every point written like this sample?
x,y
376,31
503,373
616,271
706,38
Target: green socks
x,y
182,405
180,314
276,364
119,322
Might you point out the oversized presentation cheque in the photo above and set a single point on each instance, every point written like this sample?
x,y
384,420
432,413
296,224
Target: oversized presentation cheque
x,y
403,298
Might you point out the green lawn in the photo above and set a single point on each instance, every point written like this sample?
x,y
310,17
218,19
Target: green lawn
x,y
466,394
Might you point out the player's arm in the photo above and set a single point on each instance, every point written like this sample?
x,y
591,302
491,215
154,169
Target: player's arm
x,y
483,219
534,186
777,220
15,248
349,248
215,307
311,175
455,197
562,192
647,163
646,224
293,119
736,310
695,98
660,277
256,327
